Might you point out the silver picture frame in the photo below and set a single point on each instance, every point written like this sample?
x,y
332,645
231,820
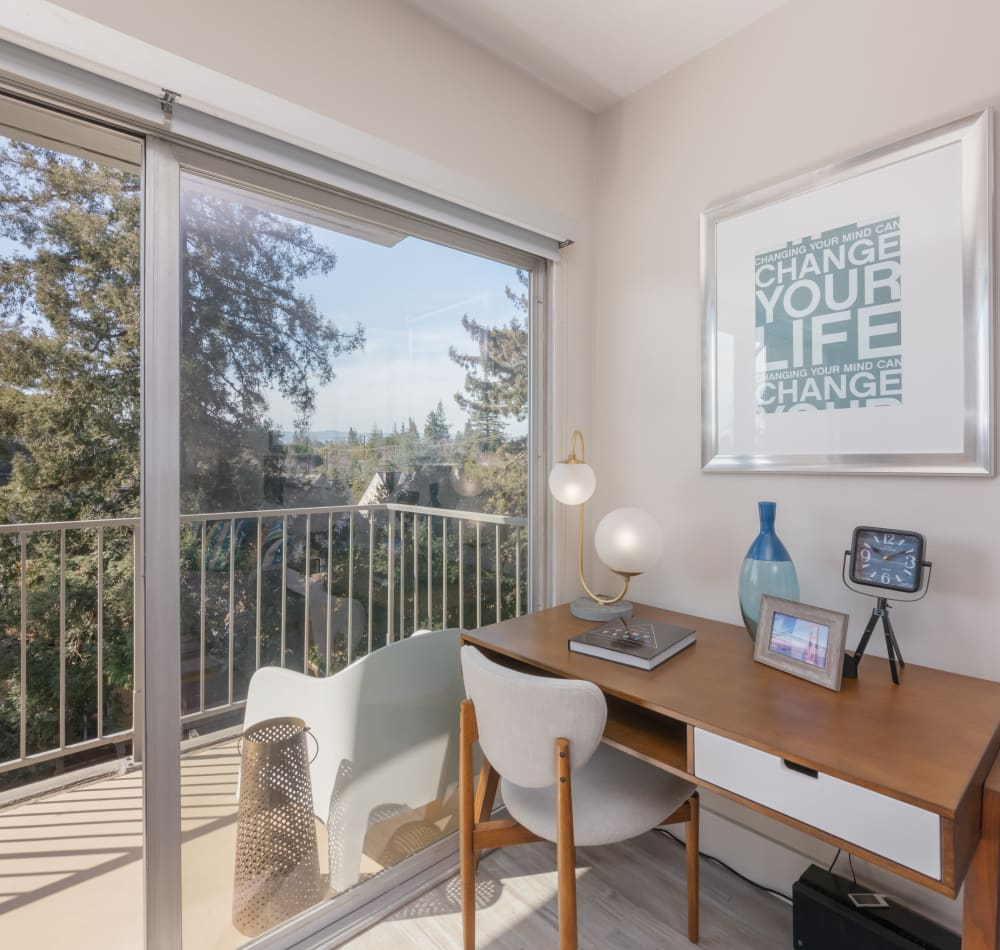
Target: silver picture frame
x,y
732,417
775,646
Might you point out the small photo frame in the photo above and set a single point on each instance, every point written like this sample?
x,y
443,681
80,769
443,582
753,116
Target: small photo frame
x,y
803,640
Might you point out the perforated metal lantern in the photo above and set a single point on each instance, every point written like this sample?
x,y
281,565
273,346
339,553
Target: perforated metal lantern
x,y
277,862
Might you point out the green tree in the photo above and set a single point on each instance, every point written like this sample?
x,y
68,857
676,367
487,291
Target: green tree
x,y
70,409
247,329
436,425
496,377
496,394
69,406
69,342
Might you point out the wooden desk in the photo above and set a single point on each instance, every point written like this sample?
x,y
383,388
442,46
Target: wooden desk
x,y
912,760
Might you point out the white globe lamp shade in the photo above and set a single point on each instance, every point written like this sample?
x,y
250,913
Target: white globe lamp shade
x,y
572,483
628,540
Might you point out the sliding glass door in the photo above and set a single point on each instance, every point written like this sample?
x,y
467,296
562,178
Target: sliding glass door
x,y
71,817
353,469
264,448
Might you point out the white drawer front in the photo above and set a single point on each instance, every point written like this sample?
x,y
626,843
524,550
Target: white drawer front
x,y
896,830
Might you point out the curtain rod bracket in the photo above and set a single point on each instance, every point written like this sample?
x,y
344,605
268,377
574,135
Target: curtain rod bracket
x,y
167,101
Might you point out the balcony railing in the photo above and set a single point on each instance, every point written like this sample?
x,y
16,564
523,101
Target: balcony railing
x,y
308,588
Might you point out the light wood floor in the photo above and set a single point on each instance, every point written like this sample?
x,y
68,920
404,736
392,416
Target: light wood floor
x,y
631,897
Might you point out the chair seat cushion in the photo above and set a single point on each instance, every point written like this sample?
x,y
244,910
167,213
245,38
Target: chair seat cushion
x,y
615,797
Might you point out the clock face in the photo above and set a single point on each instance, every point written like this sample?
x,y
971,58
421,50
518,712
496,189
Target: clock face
x,y
884,558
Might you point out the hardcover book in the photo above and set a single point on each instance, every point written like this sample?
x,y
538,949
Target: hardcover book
x,y
641,643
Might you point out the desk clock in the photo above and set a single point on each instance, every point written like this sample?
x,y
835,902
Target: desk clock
x,y
892,560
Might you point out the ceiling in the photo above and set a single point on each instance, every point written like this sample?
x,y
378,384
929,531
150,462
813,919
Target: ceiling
x,y
595,52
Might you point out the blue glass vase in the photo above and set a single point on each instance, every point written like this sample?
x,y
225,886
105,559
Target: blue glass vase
x,y
767,569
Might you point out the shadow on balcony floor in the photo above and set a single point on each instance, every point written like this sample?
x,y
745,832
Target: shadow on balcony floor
x,y
71,868
71,860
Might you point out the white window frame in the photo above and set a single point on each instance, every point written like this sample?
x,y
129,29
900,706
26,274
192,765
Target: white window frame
x,y
158,647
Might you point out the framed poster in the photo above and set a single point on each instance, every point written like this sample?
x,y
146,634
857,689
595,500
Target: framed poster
x,y
847,315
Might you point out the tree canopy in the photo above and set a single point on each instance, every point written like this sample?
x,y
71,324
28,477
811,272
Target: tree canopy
x,y
247,328
70,400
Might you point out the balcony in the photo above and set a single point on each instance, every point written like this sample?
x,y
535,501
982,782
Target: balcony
x,y
309,589
80,880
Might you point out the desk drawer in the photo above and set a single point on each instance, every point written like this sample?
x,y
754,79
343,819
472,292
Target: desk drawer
x,y
895,830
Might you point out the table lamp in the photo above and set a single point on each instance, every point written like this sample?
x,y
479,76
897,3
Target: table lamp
x,y
627,540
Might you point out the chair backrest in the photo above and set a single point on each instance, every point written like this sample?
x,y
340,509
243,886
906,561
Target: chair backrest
x,y
397,704
520,716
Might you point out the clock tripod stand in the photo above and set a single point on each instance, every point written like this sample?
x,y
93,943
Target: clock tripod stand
x,y
880,612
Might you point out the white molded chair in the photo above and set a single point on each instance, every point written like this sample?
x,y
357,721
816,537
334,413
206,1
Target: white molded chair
x,y
386,735
559,783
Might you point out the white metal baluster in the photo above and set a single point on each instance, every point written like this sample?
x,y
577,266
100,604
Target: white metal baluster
x,y
284,582
203,611
430,574
350,589
260,571
100,632
138,646
62,638
329,584
391,566
402,574
461,574
416,573
24,643
479,575
232,605
444,572
305,619
371,573
517,572
496,565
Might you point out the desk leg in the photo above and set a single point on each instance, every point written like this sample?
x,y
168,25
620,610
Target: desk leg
x,y
981,911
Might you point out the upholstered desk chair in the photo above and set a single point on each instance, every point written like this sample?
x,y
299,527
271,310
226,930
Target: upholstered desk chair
x,y
559,783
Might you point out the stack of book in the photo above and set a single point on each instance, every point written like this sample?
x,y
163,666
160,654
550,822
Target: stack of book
x,y
641,643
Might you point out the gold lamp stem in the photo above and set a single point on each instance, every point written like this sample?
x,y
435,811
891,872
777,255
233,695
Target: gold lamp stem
x,y
577,437
604,601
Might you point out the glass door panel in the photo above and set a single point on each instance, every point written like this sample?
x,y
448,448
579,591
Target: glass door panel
x,y
353,457
71,819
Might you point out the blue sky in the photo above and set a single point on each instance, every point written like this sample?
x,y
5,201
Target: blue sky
x,y
410,299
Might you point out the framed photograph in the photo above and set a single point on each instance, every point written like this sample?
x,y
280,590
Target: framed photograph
x,y
847,315
805,641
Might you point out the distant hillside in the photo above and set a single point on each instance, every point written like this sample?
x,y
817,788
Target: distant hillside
x,y
316,435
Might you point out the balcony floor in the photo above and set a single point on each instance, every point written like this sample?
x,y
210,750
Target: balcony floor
x,y
70,861
71,874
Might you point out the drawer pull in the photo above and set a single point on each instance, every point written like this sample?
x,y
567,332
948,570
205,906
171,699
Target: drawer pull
x,y
801,769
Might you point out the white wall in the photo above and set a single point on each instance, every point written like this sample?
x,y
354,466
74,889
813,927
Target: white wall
x,y
813,82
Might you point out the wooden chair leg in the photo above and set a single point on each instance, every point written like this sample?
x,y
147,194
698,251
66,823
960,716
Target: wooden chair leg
x,y
486,793
565,850
466,819
692,868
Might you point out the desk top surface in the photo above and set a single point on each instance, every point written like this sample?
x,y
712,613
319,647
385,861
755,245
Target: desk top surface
x,y
923,741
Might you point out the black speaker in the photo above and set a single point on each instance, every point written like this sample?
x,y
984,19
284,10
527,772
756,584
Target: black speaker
x,y
833,913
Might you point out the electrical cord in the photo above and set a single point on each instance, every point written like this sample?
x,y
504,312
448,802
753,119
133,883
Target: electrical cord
x,y
850,861
722,864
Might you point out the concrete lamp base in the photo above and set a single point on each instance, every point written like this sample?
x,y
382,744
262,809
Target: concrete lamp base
x,y
587,609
